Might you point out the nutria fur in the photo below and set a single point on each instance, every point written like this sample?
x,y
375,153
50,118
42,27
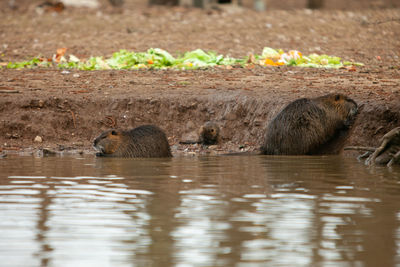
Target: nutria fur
x,y
208,134
147,141
305,125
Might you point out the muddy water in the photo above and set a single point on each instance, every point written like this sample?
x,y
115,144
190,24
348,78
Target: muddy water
x,y
209,211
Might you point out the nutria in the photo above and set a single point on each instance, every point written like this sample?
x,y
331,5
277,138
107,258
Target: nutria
x,y
147,141
305,125
208,134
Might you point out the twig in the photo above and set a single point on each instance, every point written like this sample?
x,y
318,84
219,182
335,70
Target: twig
x,y
113,123
11,148
365,155
73,118
395,158
9,91
384,21
377,130
360,148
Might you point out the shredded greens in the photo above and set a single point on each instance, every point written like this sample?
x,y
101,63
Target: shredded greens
x,y
156,58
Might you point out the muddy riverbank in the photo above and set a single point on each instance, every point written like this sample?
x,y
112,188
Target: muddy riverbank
x,y
69,108
71,113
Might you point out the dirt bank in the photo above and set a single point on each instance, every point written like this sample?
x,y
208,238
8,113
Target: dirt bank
x,y
71,108
70,112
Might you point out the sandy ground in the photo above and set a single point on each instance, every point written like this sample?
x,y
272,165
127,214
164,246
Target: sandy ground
x,y
69,109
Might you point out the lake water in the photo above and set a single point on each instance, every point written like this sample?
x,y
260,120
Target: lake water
x,y
198,211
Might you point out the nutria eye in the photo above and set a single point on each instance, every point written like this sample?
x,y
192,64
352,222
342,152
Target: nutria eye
x,y
212,130
113,132
337,97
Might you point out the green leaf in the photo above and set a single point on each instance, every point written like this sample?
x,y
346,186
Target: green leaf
x,y
161,57
268,52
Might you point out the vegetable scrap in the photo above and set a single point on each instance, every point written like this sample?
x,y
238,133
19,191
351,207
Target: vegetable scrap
x,y
156,58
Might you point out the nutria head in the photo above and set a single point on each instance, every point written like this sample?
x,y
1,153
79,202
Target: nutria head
x,y
345,108
209,133
108,142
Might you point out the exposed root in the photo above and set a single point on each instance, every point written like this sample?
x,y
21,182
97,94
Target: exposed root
x,y
360,148
73,118
388,151
365,155
395,159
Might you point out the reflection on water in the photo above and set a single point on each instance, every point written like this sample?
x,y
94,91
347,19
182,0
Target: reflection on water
x,y
209,211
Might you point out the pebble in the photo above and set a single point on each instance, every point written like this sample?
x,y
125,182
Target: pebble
x,y
78,143
38,139
190,125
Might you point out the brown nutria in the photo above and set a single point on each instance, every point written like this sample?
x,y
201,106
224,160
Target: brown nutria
x,y
208,134
147,141
305,125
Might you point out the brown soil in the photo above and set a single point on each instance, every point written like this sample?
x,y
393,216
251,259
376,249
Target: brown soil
x,y
70,108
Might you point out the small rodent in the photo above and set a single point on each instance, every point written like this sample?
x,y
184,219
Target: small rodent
x,y
208,134
147,141
306,124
